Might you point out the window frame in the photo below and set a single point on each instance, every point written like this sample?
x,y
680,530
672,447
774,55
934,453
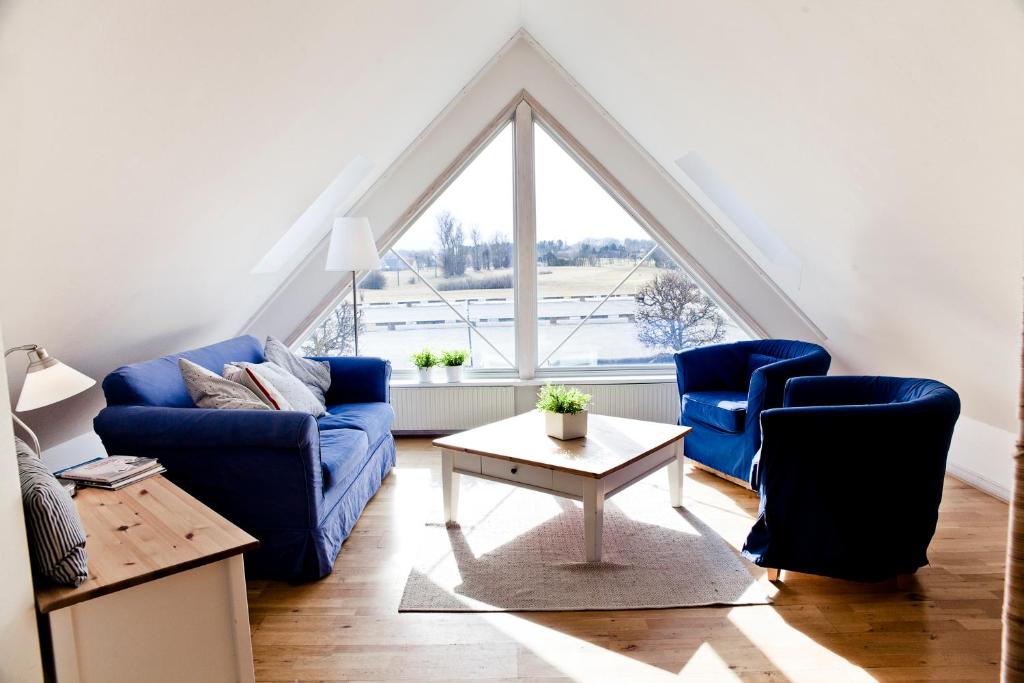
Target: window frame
x,y
522,113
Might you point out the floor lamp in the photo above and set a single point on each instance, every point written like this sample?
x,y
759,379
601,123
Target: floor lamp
x,y
47,381
352,248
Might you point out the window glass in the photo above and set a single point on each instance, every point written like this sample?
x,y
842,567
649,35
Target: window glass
x,y
606,293
454,264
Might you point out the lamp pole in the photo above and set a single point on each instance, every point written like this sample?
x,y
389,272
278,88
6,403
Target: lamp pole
x,y
355,314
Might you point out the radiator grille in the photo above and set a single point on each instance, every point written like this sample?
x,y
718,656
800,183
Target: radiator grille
x,y
654,402
439,409
453,408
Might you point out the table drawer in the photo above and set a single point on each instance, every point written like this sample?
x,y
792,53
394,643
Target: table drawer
x,y
513,471
467,462
567,483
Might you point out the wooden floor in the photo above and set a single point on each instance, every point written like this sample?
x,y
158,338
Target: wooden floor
x,y
347,627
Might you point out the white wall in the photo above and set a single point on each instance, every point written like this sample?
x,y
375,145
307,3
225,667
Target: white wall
x,y
152,152
882,142
19,641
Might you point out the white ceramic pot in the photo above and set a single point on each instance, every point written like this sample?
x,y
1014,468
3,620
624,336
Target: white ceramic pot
x,y
425,375
565,426
454,373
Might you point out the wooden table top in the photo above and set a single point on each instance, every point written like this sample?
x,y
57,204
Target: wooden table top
x,y
142,532
611,443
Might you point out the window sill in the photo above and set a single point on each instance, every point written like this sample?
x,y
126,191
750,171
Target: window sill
x,y
412,383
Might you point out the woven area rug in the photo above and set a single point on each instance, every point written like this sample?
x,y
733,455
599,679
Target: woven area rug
x,y
519,550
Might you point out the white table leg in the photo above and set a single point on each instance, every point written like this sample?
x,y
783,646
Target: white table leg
x,y
675,477
593,516
449,486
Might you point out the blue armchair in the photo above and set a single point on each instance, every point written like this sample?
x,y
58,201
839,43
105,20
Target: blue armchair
x,y
850,475
723,389
296,483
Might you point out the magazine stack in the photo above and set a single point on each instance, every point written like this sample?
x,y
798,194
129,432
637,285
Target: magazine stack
x,y
112,473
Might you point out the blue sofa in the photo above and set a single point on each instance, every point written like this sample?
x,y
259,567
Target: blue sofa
x,y
724,387
850,475
296,483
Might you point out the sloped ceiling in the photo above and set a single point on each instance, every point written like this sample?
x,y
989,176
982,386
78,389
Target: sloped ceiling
x,y
152,152
882,142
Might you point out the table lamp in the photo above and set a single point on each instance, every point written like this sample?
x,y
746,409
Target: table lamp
x,y
47,381
352,248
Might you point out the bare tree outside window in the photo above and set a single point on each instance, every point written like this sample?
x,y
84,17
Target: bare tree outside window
x,y
451,243
334,336
672,312
475,253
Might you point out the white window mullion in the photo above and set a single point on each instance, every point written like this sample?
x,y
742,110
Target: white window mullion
x,y
525,280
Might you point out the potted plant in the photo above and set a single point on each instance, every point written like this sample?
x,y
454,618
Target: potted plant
x,y
565,411
453,362
424,360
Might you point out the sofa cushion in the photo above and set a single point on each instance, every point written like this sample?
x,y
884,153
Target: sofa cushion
x,y
315,374
158,382
372,418
55,533
343,452
724,410
265,391
295,393
210,390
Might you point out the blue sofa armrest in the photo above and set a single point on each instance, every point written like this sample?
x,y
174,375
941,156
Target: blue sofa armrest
x,y
228,458
358,379
720,366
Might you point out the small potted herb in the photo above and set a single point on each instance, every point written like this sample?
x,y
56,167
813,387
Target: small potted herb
x,y
565,411
453,362
424,360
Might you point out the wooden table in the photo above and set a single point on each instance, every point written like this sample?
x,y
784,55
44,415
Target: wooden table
x,y
165,598
614,454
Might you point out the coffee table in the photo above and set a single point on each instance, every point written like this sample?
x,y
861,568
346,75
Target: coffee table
x,y
615,453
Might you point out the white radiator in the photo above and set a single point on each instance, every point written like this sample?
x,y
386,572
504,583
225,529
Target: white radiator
x,y
654,402
444,409
434,409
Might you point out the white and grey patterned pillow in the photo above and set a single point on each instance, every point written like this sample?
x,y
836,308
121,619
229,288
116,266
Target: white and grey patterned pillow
x,y
297,394
55,533
265,391
210,390
315,374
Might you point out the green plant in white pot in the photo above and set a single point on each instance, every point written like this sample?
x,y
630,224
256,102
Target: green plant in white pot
x,y
424,360
565,411
453,361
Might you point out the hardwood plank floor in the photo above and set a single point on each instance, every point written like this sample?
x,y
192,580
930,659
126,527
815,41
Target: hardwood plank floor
x,y
347,627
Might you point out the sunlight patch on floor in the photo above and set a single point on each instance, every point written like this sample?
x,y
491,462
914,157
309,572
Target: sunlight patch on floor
x,y
708,664
564,655
782,645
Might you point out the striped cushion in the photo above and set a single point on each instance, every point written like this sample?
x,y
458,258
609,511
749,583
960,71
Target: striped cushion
x,y
55,532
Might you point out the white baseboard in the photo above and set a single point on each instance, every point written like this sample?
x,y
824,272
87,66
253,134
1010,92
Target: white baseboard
x,y
982,456
982,483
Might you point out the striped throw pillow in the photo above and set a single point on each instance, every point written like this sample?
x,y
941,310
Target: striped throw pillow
x,y
55,533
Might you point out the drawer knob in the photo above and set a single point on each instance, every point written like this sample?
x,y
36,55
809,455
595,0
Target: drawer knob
x,y
514,470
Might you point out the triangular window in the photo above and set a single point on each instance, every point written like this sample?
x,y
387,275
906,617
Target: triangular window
x,y
600,293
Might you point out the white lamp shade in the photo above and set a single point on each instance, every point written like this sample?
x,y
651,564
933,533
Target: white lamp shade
x,y
352,246
51,384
